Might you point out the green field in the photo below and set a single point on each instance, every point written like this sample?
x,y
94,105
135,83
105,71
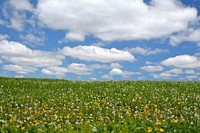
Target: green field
x,y
44,105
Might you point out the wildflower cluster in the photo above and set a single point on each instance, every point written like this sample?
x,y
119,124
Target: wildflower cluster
x,y
44,105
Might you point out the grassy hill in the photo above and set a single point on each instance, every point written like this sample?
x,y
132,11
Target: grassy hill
x,y
46,105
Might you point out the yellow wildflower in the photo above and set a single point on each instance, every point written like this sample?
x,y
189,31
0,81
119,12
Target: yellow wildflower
x,y
23,128
175,121
150,129
159,123
161,130
146,106
138,95
181,102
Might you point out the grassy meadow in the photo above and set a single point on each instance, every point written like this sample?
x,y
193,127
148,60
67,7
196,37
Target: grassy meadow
x,y
47,105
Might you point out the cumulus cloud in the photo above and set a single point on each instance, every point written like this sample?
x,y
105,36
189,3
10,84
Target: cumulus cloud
x,y
94,53
189,71
105,76
15,13
116,71
80,69
19,54
83,69
21,5
75,68
149,63
55,71
164,75
124,74
190,77
105,66
74,36
189,35
99,66
31,39
182,61
19,69
115,65
151,68
176,71
145,51
116,19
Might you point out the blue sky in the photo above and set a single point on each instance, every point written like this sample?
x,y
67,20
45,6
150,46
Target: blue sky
x,y
101,39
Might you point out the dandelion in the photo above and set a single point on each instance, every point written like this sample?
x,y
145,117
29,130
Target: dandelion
x,y
150,129
175,121
161,130
23,128
181,102
138,95
159,123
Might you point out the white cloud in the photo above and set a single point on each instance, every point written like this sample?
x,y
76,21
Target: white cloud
x,y
74,37
124,74
105,66
151,68
16,21
19,69
83,69
99,66
190,77
189,35
32,39
116,71
182,61
3,37
15,13
19,76
55,71
75,68
190,71
149,63
98,44
93,53
79,69
176,71
19,54
116,19
115,65
93,79
145,51
21,5
164,75
107,77
13,48
1,61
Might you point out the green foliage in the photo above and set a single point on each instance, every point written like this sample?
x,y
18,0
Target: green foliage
x,y
46,105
